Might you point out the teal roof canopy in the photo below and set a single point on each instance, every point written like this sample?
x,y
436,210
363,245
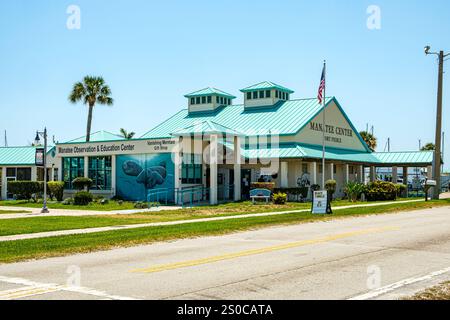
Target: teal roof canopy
x,y
209,91
206,127
266,85
413,157
286,118
17,156
99,136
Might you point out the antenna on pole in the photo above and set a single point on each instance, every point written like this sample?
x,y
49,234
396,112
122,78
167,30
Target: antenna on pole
x,y
6,140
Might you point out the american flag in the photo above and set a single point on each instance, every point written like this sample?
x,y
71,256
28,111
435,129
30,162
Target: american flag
x,y
322,86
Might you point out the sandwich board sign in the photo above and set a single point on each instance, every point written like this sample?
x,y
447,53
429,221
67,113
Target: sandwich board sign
x,y
320,202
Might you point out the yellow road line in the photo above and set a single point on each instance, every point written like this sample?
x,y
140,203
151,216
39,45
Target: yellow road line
x,y
26,292
229,256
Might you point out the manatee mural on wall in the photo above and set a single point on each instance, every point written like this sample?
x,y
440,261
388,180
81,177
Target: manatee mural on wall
x,y
136,174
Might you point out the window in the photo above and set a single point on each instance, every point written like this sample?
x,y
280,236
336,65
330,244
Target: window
x,y
284,95
197,100
304,168
255,94
191,171
268,95
20,174
261,94
192,100
203,100
334,169
209,99
320,169
351,170
72,168
249,96
287,96
100,173
277,94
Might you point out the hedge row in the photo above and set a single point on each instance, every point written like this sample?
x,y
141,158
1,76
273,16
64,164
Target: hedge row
x,y
26,190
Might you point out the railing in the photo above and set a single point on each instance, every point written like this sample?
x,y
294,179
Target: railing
x,y
154,196
195,194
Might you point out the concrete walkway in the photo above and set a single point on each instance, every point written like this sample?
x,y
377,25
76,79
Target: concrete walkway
x,y
179,222
36,212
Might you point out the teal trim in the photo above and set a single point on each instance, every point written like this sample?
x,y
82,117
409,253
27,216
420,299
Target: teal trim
x,y
208,92
266,85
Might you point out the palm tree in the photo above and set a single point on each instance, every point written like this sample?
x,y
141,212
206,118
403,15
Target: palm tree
x,y
127,135
91,91
428,147
369,139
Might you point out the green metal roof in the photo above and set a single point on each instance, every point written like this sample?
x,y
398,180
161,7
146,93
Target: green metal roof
x,y
206,127
17,156
266,85
98,136
297,150
209,91
414,157
285,118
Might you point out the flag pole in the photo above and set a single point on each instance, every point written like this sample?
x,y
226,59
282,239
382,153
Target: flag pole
x,y
323,124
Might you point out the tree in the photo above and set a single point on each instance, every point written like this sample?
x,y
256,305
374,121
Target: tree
x,y
91,91
127,135
428,147
369,139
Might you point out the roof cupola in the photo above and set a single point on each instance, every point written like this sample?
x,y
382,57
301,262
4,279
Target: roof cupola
x,y
208,99
265,94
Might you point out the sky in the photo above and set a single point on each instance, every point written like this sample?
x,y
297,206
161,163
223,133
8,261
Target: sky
x,y
151,53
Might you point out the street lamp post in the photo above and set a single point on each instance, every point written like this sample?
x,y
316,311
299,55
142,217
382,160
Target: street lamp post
x,y
437,149
37,142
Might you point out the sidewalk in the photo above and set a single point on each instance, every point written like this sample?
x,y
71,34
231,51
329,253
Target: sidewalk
x,y
36,212
180,222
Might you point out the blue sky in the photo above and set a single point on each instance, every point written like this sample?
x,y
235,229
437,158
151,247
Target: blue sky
x,y
151,53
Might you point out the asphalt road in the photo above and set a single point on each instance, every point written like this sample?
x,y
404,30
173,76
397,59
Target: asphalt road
x,y
376,257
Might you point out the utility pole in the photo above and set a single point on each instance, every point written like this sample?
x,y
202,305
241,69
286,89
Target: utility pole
x,y
420,144
6,140
438,142
443,151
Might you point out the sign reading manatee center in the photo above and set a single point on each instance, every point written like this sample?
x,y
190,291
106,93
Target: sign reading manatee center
x,y
336,132
120,147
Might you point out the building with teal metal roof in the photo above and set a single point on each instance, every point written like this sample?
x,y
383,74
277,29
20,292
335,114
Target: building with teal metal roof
x,y
222,147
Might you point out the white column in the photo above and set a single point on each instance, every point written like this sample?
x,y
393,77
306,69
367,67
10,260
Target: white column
x,y
394,175
347,173
213,169
52,174
430,172
60,169
237,168
362,178
86,166
113,176
4,184
331,171
373,173
313,173
33,173
284,175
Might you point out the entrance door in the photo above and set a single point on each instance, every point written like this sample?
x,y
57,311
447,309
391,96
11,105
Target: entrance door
x,y
246,180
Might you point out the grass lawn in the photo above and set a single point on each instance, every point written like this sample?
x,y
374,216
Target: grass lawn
x,y
439,292
111,206
56,246
44,224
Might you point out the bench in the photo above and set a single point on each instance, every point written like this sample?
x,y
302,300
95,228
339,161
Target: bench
x,y
260,194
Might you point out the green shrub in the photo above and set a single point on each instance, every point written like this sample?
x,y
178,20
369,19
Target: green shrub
x,y
141,205
82,198
315,187
279,198
24,190
353,190
82,183
56,189
401,189
68,202
380,191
